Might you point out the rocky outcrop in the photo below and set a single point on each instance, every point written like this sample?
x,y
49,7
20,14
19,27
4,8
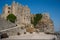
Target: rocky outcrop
x,y
45,24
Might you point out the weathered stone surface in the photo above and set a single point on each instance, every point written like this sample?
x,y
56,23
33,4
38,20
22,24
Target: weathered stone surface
x,y
46,24
21,12
4,24
14,31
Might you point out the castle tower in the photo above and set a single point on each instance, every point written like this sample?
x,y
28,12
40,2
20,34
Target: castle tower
x,y
24,15
26,12
6,11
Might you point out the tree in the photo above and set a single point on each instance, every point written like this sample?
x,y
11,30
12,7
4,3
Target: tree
x,y
11,17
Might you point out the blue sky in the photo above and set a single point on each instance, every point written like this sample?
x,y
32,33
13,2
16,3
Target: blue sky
x,y
40,6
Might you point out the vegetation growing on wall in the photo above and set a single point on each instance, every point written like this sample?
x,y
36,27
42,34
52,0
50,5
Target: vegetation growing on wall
x,y
36,18
11,17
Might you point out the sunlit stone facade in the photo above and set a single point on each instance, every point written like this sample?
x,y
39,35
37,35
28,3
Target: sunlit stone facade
x,y
21,12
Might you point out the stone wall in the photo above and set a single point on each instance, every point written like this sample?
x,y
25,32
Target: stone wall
x,y
21,12
14,31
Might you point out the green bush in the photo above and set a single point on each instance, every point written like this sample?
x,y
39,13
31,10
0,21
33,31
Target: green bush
x,y
11,17
36,19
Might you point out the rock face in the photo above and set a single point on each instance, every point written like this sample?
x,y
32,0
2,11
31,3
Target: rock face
x,y
45,24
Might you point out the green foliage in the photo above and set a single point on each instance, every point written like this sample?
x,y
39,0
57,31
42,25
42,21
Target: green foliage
x,y
36,19
11,17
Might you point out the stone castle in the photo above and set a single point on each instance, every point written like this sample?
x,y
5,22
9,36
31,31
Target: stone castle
x,y
24,19
21,12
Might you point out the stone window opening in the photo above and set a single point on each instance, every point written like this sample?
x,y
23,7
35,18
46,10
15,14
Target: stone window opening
x,y
8,11
18,33
24,32
8,7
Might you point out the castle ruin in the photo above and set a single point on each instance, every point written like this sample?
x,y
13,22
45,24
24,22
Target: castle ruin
x,y
21,12
24,18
